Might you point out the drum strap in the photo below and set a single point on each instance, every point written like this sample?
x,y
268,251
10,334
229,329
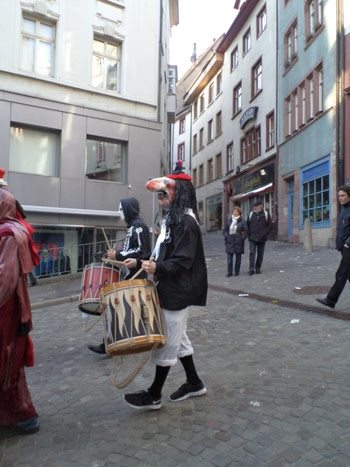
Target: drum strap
x,y
126,381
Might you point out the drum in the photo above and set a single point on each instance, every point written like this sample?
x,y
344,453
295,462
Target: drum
x,y
133,320
95,276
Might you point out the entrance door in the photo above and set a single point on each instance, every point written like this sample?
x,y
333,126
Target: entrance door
x,y
290,205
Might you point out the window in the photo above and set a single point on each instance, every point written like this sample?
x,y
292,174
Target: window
x,y
316,199
257,78
105,65
302,93
246,42
34,151
261,21
319,94
201,103
181,152
218,169
211,93
201,138
229,158
270,130
195,110
105,160
234,58
218,84
313,17
210,170
291,44
194,177
218,124
182,126
237,99
250,145
38,46
210,131
295,111
305,102
195,144
288,106
310,100
201,175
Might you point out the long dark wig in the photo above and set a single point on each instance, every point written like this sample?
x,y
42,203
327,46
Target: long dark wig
x,y
185,198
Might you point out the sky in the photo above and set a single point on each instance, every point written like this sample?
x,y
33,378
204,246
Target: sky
x,y
200,21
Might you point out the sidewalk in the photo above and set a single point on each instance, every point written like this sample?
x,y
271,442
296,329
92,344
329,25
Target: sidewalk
x,y
290,277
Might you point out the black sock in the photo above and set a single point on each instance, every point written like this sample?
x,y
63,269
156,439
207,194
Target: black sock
x,y
159,379
191,372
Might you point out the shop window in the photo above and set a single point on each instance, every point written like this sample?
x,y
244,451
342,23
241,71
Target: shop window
x,y
316,195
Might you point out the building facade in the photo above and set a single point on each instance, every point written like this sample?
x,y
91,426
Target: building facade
x,y
79,128
311,124
249,116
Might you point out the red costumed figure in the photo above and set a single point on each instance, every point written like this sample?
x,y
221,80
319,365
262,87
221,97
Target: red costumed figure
x,y
17,258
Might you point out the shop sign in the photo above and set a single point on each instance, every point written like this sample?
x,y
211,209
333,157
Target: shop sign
x,y
255,180
249,114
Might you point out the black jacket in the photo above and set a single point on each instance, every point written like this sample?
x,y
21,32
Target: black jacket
x,y
258,226
181,269
343,227
234,243
137,242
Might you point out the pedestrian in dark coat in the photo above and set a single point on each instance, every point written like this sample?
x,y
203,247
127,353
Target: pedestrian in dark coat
x,y
343,246
235,233
259,225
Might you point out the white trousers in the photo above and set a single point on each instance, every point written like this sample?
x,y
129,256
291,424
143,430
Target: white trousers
x,y
178,344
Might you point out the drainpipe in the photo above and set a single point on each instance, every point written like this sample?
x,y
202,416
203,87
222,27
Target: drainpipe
x,y
339,152
276,171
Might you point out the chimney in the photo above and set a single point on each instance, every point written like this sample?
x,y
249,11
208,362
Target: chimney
x,y
194,53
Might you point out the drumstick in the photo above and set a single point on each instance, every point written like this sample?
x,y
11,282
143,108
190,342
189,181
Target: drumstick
x,y
108,244
113,261
140,270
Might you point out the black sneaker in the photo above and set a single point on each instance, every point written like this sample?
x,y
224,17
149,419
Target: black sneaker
x,y
142,400
188,390
100,349
257,271
325,302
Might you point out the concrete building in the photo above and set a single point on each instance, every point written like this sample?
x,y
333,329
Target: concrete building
x,y
205,96
310,109
84,111
249,112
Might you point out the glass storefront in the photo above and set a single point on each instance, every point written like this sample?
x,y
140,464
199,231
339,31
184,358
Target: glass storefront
x,y
214,213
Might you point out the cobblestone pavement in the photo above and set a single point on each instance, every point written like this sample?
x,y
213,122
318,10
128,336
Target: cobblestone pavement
x,y
277,377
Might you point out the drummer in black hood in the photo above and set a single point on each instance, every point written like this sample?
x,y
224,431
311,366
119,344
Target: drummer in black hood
x,y
137,246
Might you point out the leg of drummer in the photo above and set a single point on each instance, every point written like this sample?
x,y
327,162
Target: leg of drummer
x,y
194,385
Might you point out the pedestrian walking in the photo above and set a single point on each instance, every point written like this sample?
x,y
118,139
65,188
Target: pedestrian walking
x,y
343,246
235,234
259,225
181,276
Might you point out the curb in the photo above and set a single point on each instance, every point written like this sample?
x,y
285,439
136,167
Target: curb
x,y
54,301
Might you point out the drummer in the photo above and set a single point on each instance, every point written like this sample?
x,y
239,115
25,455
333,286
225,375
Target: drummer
x,y
137,246
181,276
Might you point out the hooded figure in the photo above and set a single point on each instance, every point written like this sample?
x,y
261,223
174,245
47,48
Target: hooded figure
x,y
137,247
137,243
17,258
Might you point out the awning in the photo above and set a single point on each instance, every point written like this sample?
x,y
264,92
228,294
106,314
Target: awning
x,y
261,190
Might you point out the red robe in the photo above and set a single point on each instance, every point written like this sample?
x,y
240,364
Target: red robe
x,y
16,259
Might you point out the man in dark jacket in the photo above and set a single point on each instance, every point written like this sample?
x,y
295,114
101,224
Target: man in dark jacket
x,y
180,273
342,245
259,225
137,247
